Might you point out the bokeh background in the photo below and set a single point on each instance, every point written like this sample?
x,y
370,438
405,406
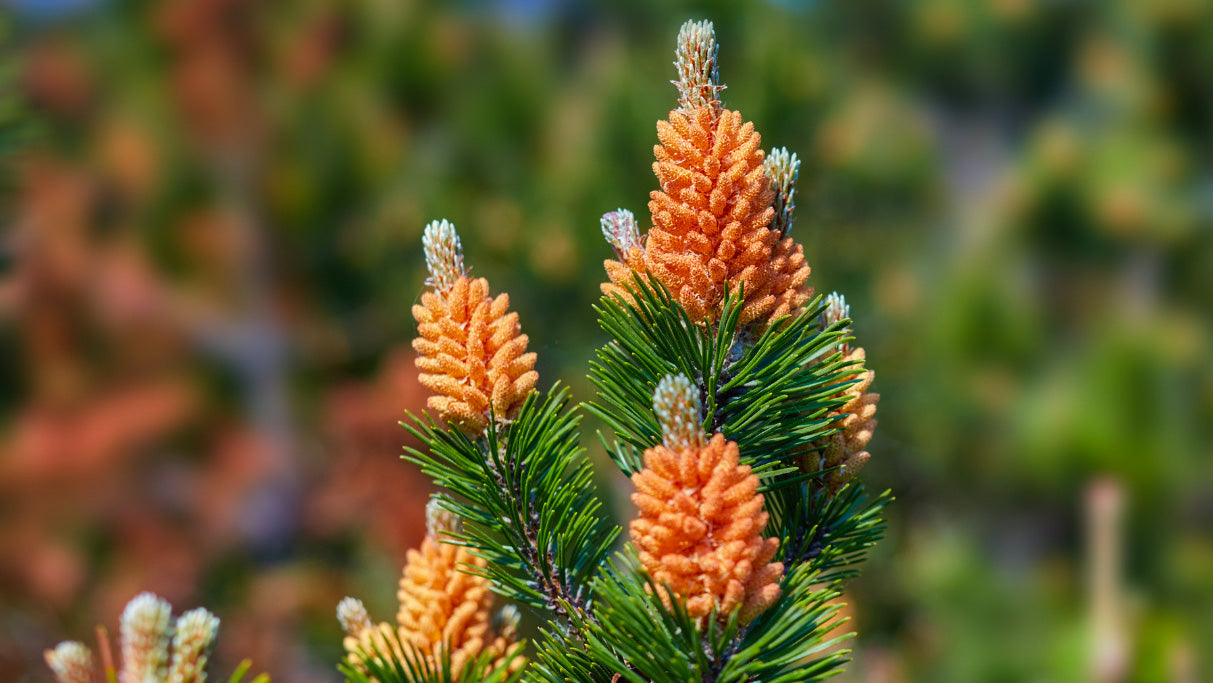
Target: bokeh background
x,y
211,218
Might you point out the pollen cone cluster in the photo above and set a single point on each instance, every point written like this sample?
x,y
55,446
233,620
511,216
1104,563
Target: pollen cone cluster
x,y
844,455
70,662
443,610
711,216
858,421
712,229
470,348
700,523
154,647
790,279
700,530
620,230
790,270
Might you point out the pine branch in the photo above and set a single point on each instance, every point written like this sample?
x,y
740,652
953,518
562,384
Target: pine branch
x,y
772,395
829,532
777,394
526,496
556,662
787,643
637,638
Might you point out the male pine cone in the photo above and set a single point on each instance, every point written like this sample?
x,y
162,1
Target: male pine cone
x,y
699,530
470,347
445,611
712,217
857,418
843,453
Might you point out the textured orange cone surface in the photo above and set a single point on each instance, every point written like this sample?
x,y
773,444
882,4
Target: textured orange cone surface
x,y
440,607
619,273
858,422
441,604
472,354
699,530
790,275
711,216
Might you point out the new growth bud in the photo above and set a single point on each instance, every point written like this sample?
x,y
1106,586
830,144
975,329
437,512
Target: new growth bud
x,y
70,662
443,255
695,59
439,521
783,169
353,616
680,413
195,633
146,633
619,229
507,620
837,309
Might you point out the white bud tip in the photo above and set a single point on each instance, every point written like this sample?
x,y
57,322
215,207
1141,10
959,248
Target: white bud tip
x,y
676,402
70,662
146,631
439,521
353,616
443,255
195,633
619,229
783,169
836,308
695,59
196,629
508,618
146,611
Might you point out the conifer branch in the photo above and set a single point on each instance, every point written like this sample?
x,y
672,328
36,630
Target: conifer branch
x,y
828,531
525,494
640,639
737,407
772,395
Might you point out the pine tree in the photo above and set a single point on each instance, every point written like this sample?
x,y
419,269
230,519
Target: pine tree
x,y
734,401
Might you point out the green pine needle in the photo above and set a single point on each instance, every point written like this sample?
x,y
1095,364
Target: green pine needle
x,y
636,637
238,674
526,495
772,395
829,532
404,663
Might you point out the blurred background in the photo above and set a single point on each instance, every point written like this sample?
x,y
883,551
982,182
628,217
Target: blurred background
x,y
212,212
